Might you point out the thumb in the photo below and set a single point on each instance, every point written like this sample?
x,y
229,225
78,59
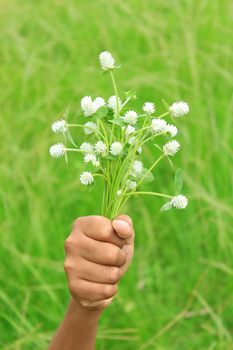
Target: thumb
x,y
123,226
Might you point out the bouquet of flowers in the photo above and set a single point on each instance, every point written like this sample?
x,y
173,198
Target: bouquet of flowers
x,y
114,138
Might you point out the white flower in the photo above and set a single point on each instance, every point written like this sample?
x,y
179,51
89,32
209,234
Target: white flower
x,y
87,106
89,126
112,103
119,192
59,126
171,147
91,158
116,148
86,147
100,147
86,178
148,107
172,129
106,60
139,150
131,140
129,130
57,150
137,168
178,109
130,117
98,102
179,202
131,184
158,125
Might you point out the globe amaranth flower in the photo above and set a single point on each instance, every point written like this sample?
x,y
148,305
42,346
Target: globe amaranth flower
x,y
106,60
129,130
116,148
148,108
131,185
130,117
90,157
171,129
171,148
86,178
179,202
137,168
90,127
112,103
158,125
86,147
178,109
119,192
100,147
59,126
87,106
139,150
57,150
98,102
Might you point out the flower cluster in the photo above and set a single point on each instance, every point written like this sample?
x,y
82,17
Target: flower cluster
x,y
112,141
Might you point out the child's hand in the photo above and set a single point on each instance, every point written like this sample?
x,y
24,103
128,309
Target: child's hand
x,y
98,253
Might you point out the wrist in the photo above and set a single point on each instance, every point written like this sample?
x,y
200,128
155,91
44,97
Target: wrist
x,y
76,308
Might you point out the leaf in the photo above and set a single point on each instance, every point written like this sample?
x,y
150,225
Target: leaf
x,y
157,146
117,121
100,113
178,181
70,138
166,206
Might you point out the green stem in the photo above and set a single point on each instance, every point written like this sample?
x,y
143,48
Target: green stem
x,y
150,169
86,127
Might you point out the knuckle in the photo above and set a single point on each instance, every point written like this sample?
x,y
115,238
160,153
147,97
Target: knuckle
x,y
107,291
78,222
114,275
68,244
68,266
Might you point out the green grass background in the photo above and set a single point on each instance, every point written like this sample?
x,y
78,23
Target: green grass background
x,y
178,292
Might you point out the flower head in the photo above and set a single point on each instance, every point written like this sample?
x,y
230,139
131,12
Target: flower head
x,y
89,157
148,107
106,60
172,129
178,109
86,178
86,147
137,168
129,130
112,103
59,126
90,127
87,106
131,184
171,147
179,202
139,150
98,102
57,150
116,148
131,141
130,117
119,192
100,147
158,125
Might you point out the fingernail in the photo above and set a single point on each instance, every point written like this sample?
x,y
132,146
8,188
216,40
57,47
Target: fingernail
x,y
121,225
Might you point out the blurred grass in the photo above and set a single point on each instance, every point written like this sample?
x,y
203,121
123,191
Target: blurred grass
x,y
178,292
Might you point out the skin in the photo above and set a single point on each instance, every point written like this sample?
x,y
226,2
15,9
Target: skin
x,y
98,253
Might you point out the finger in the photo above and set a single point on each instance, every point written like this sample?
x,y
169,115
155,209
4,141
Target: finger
x,y
91,291
123,227
101,252
99,304
99,228
93,272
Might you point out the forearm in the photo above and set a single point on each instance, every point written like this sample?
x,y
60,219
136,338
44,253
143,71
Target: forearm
x,y
78,329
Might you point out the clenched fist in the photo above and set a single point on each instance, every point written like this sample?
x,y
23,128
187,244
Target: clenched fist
x,y
98,253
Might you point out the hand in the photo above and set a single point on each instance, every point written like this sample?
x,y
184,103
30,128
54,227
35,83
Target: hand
x,y
98,253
